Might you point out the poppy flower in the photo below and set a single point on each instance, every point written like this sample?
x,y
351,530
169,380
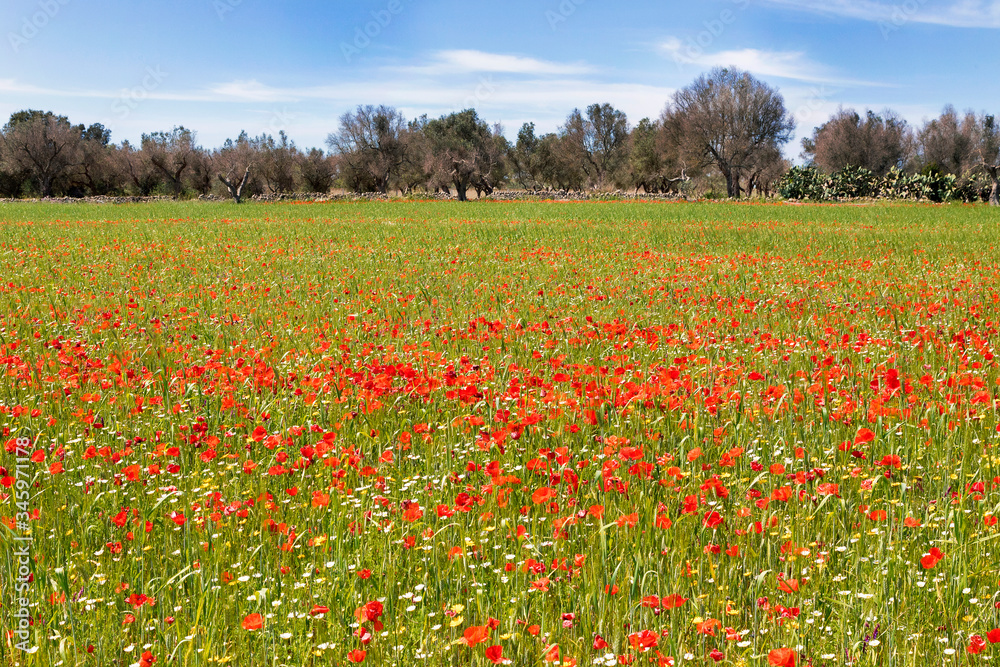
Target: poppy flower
x,y
643,641
672,601
788,585
253,622
369,612
543,495
357,655
707,627
319,609
412,513
828,489
476,634
891,461
976,644
931,559
781,657
495,655
993,636
864,436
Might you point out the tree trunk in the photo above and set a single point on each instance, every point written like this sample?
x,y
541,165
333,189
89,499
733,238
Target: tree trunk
x,y
45,186
732,184
995,190
462,190
236,191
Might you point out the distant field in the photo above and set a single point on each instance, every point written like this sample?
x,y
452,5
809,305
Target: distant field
x,y
446,434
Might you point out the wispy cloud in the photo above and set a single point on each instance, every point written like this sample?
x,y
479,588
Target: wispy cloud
x,y
512,95
794,65
954,13
481,62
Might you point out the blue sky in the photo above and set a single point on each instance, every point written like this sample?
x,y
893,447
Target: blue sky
x,y
221,66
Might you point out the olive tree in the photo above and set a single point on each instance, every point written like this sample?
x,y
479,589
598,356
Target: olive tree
x,y
728,119
371,147
465,152
599,142
947,144
235,163
172,154
989,155
877,142
42,145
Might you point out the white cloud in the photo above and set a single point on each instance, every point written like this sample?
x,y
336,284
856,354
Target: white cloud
x,y
471,61
793,65
308,113
954,13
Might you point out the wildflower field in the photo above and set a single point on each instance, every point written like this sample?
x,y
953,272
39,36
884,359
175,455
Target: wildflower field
x,y
530,434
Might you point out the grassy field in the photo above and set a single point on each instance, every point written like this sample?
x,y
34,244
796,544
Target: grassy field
x,y
442,434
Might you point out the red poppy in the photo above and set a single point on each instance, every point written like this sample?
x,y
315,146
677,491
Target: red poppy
x,y
708,626
672,601
643,641
788,585
891,461
495,655
253,622
976,644
864,436
781,657
828,489
931,559
369,612
476,634
357,655
543,495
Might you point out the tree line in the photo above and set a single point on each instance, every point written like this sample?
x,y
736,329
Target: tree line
x,y
720,136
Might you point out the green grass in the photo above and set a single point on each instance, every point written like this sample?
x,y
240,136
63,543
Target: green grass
x,y
498,350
